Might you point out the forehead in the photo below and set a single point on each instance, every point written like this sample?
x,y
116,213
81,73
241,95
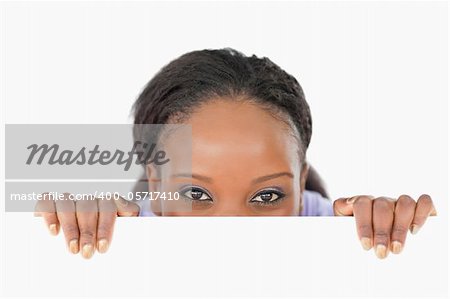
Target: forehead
x,y
233,136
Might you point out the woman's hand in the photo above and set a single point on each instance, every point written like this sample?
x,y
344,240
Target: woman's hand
x,y
383,222
87,224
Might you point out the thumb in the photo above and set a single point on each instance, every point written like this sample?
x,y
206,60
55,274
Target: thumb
x,y
126,208
344,206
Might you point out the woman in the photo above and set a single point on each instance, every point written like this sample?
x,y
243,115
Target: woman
x,y
251,128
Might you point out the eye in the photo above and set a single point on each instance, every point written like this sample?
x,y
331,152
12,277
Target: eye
x,y
267,197
196,193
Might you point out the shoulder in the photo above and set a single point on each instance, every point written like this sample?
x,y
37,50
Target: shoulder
x,y
315,204
145,209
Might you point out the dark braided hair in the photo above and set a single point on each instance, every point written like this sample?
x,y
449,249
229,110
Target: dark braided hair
x,y
198,76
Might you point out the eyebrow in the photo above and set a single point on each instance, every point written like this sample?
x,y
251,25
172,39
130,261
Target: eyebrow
x,y
194,176
255,181
272,176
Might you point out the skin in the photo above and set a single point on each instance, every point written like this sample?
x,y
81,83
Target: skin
x,y
245,162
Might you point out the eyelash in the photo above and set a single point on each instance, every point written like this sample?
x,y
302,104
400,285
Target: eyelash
x,y
281,195
198,189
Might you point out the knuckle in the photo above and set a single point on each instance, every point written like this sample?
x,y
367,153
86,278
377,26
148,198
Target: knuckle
x,y
366,198
405,198
106,207
366,228
67,195
86,208
383,203
46,196
399,230
65,206
363,200
426,199
405,201
87,233
381,235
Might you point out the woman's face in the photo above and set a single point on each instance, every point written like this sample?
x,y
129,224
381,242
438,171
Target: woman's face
x,y
245,162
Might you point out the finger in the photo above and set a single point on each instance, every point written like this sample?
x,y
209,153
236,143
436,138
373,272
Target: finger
x,y
46,208
424,208
106,219
403,216
126,208
65,210
383,217
362,210
87,214
344,206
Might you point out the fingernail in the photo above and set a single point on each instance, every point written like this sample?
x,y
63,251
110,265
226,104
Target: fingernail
x,y
380,251
102,245
414,229
351,200
88,251
53,229
396,247
122,202
366,243
73,246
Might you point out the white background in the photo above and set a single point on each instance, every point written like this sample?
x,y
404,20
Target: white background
x,y
375,75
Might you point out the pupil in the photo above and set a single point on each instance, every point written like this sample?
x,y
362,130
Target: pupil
x,y
266,196
196,194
